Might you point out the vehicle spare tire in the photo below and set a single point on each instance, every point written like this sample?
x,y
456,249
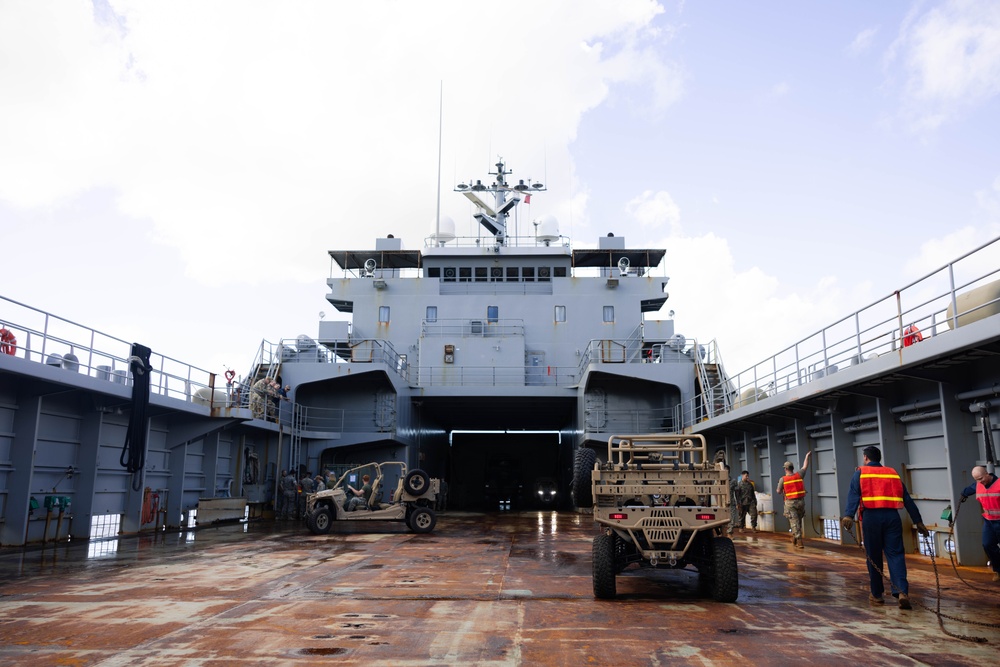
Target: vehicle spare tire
x,y
583,464
416,482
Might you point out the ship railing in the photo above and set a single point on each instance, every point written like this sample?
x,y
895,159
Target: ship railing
x,y
652,420
497,376
75,348
486,241
318,420
634,350
472,327
304,350
960,292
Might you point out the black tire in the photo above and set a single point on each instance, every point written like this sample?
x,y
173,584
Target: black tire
x,y
416,482
583,465
604,566
422,520
725,583
319,521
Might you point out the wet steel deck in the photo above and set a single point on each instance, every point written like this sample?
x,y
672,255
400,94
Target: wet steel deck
x,y
499,589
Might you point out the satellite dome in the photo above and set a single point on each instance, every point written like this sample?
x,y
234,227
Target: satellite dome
x,y
444,229
546,228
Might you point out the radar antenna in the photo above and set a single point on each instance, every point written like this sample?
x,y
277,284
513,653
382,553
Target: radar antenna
x,y
505,200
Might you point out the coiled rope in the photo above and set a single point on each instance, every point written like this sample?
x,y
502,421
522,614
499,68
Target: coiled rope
x,y
133,457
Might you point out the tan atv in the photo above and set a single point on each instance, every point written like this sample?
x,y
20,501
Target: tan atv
x,y
662,504
411,501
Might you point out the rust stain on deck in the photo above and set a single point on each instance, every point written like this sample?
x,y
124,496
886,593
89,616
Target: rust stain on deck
x,y
510,589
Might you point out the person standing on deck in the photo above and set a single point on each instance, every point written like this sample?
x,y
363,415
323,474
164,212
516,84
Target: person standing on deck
x,y
291,497
279,497
734,502
793,489
746,493
877,493
987,489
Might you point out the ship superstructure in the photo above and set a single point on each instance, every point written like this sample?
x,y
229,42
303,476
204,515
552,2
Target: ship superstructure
x,y
487,360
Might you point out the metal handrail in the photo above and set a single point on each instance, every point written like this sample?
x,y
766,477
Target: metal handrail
x,y
58,342
928,304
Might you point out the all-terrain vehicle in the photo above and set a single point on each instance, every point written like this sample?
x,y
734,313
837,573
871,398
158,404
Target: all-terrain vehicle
x,y
411,501
661,504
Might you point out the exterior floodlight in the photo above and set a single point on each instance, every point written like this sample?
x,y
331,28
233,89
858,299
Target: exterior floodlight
x,y
623,264
370,267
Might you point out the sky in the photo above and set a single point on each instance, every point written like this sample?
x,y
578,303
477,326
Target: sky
x,y
175,173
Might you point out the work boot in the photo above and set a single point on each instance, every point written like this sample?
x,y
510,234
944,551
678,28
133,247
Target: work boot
x,y
904,601
795,541
755,530
875,600
996,576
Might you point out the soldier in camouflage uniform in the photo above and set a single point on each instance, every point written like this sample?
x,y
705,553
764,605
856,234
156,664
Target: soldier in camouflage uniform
x,y
746,493
792,487
291,491
734,503
279,496
258,398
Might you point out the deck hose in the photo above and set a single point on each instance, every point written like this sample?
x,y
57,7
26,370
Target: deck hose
x,y
133,457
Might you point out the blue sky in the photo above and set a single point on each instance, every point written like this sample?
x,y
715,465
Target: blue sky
x,y
175,173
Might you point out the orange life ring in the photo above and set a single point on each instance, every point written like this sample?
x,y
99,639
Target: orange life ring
x,y
8,343
911,335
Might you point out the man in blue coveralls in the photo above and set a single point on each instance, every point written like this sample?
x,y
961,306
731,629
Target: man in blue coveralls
x,y
878,492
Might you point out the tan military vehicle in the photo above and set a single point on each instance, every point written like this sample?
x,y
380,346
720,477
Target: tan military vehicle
x,y
411,501
661,503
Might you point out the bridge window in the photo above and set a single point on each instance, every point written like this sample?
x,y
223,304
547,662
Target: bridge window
x,y
480,274
432,314
528,274
492,314
560,313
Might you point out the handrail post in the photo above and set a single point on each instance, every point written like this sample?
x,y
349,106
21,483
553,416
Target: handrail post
x,y
954,299
899,319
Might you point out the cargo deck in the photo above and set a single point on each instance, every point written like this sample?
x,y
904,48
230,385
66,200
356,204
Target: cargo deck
x,y
483,589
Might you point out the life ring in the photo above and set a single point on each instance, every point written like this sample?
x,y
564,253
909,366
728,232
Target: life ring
x,y
8,343
230,374
911,335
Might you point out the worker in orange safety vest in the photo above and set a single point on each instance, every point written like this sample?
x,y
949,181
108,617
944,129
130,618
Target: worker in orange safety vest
x,y
986,486
877,494
793,489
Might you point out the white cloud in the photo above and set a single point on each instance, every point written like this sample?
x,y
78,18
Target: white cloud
x,y
862,42
781,89
231,127
736,307
655,209
951,58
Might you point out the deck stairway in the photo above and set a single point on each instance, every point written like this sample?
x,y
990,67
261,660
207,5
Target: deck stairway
x,y
715,399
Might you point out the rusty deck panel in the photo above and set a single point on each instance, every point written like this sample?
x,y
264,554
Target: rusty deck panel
x,y
483,589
